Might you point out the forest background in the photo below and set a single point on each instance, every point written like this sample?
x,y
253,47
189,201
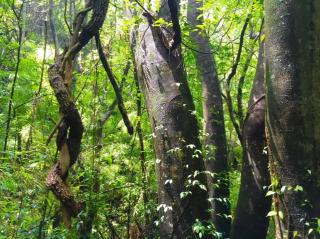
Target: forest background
x,y
115,176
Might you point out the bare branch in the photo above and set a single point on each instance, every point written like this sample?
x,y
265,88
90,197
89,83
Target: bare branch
x,y
229,78
174,11
114,84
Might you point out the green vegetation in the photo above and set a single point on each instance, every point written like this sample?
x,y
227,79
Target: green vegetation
x,y
115,178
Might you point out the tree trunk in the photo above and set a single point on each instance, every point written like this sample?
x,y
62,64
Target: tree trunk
x,y
18,15
293,113
53,29
214,130
253,206
170,107
143,165
37,98
88,221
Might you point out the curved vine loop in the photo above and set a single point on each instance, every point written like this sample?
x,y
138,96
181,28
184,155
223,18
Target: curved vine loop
x,y
70,128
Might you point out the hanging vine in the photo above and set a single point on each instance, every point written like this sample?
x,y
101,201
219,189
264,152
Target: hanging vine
x,y
70,128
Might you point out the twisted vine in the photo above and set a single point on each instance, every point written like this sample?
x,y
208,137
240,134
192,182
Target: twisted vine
x,y
70,128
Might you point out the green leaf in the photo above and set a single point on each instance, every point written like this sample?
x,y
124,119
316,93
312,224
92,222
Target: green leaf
x,y
184,194
271,213
203,187
280,214
270,193
298,188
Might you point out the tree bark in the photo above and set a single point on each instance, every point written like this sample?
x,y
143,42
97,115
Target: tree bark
x,y
251,219
169,102
143,165
293,113
215,136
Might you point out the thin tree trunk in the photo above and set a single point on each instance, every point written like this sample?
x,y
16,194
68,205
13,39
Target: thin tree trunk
x,y
251,219
43,216
18,16
240,111
245,68
113,232
169,102
214,129
19,216
293,113
233,72
53,29
36,100
86,227
129,217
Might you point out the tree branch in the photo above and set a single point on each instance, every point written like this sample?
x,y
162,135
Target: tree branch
x,y
114,84
174,11
229,78
65,16
235,66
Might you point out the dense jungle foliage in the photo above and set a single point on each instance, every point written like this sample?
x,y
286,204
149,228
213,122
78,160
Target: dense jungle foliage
x,y
97,142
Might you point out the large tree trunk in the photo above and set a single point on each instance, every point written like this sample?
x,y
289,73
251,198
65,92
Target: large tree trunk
x,y
215,136
170,107
293,113
253,206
